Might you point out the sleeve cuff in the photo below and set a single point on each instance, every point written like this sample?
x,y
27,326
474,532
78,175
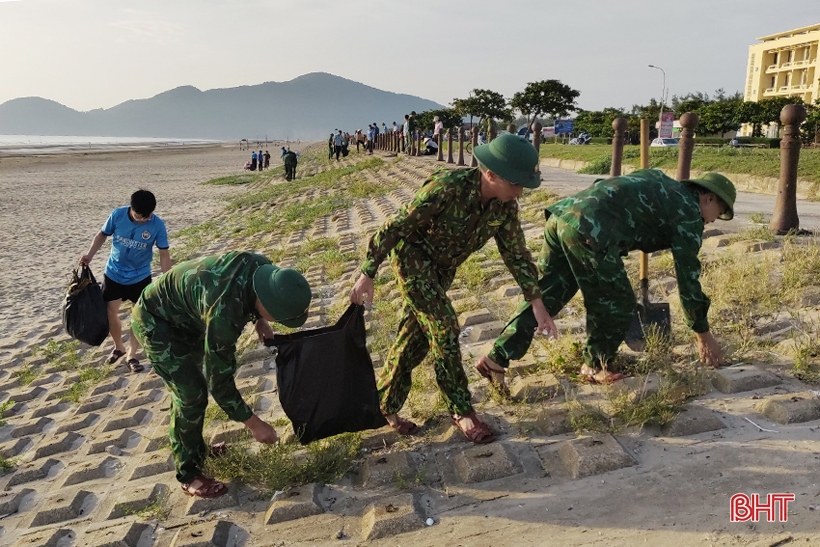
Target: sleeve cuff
x,y
241,414
369,269
701,325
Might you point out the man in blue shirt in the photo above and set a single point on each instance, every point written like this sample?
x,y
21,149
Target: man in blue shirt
x,y
135,230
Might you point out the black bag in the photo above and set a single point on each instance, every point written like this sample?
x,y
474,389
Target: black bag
x,y
84,310
326,381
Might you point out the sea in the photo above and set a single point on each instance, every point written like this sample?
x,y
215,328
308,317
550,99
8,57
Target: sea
x,y
24,145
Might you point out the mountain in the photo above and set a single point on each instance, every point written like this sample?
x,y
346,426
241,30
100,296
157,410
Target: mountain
x,y
308,107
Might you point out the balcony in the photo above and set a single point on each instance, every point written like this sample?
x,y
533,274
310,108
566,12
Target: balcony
x,y
769,90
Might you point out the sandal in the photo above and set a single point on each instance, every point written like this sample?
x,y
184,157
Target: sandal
x,y
479,434
115,356
588,375
135,365
208,487
495,377
404,427
219,449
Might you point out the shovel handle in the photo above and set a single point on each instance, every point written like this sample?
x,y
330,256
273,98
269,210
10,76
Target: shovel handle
x,y
644,277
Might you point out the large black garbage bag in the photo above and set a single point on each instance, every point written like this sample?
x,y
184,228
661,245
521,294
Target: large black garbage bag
x,y
326,381
84,310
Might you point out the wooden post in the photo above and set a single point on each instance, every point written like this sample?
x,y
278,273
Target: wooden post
x,y
688,123
536,136
419,142
440,144
784,218
450,145
644,144
619,125
461,146
474,162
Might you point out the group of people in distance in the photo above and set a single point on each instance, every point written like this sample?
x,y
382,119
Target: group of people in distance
x,y
189,320
258,161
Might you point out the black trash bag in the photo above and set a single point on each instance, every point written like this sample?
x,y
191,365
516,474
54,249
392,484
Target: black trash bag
x,y
84,310
326,380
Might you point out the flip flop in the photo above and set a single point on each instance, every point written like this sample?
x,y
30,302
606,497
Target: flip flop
x,y
115,356
479,434
135,365
210,488
610,378
405,427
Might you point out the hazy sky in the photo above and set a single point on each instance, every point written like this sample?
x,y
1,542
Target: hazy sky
x,y
91,54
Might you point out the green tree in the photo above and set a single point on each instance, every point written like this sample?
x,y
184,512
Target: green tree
x,y
545,97
598,123
448,116
751,113
719,117
811,127
483,104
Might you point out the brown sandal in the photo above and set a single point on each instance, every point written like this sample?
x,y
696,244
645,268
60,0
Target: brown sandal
x,y
219,449
404,427
209,488
480,432
135,365
115,356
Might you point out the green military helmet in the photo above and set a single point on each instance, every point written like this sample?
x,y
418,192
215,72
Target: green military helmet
x,y
512,158
721,187
284,293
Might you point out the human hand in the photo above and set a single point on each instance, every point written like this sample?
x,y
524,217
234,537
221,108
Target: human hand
x,y
85,260
362,291
709,350
262,431
263,330
546,325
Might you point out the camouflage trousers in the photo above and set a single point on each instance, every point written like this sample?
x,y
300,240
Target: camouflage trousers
x,y
428,324
177,358
569,261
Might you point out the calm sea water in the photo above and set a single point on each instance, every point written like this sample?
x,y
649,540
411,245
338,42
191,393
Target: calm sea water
x,y
46,144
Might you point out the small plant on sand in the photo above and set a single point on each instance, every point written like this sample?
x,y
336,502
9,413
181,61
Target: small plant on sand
x,y
3,408
756,218
88,377
7,464
26,374
587,417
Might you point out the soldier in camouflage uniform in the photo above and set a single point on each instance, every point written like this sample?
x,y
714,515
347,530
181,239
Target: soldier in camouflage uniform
x,y
585,238
453,215
188,322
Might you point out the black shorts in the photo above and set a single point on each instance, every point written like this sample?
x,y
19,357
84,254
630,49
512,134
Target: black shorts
x,y
115,291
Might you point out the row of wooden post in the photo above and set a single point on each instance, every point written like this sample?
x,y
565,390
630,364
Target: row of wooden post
x,y
783,219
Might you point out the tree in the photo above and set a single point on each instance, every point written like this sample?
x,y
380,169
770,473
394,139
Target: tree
x,y
545,97
483,104
752,113
448,116
719,117
598,123
811,127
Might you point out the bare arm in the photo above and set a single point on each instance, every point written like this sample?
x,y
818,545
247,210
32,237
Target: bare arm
x,y
96,243
165,262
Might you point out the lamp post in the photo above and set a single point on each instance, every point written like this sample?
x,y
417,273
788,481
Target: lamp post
x,y
663,95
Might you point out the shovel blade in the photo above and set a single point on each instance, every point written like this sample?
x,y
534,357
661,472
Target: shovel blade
x,y
644,317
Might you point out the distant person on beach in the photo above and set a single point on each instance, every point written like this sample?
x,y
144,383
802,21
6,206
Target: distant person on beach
x,y
261,160
359,136
375,136
405,141
290,160
337,144
189,321
437,127
253,161
267,159
345,144
330,147
136,230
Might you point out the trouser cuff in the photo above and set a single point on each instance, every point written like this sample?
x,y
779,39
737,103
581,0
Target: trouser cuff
x,y
498,357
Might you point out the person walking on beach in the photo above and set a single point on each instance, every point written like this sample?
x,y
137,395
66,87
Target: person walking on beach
x,y
253,161
135,230
261,160
337,143
453,215
330,147
189,321
267,159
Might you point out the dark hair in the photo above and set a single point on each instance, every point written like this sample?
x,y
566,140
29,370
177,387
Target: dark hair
x,y
406,116
143,202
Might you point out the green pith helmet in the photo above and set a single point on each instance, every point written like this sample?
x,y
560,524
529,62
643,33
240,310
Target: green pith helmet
x,y
284,293
722,188
512,158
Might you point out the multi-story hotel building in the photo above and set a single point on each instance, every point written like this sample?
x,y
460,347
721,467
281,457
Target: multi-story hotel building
x,y
784,65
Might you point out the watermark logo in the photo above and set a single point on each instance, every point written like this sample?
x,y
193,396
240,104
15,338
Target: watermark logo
x,y
743,508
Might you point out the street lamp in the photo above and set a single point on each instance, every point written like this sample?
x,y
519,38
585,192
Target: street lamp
x,y
663,94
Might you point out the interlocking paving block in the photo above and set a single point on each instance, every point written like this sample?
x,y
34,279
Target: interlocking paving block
x,y
154,464
381,470
485,331
742,378
294,504
31,428
123,420
131,502
375,439
92,470
220,533
692,420
790,408
80,423
71,441
132,534
143,399
532,389
198,505
485,463
593,455
498,282
119,383
158,443
13,410
33,471
60,509
10,502
155,382
508,291
47,538
227,432
44,380
549,421
14,449
51,409
27,395
121,439
256,368
95,404
390,517
470,318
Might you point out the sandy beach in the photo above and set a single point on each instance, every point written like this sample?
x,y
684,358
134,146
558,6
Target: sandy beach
x,y
53,206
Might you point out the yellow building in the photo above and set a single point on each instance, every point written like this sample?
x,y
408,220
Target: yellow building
x,y
784,65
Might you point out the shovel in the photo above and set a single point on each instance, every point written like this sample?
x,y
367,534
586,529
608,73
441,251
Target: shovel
x,y
647,314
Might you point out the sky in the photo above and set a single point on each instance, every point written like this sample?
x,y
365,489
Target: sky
x,y
89,54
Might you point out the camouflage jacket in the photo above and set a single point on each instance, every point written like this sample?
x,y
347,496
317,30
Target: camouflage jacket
x,y
211,299
645,211
446,223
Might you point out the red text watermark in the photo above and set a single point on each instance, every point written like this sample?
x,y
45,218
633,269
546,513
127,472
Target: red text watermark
x,y
775,508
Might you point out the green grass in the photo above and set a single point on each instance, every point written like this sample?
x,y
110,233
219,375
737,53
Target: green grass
x,y
89,376
244,178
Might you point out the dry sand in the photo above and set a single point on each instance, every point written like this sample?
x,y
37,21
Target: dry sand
x,y
52,206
